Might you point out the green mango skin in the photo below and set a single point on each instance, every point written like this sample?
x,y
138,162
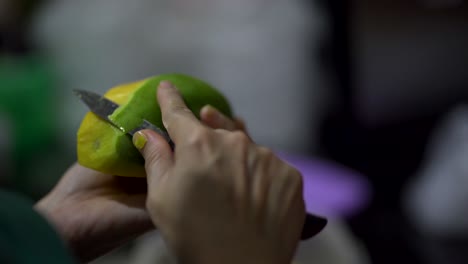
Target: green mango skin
x,y
142,104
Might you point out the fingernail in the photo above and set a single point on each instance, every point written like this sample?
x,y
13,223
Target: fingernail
x,y
139,140
165,85
215,114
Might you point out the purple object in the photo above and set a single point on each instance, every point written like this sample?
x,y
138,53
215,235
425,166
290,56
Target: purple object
x,y
330,189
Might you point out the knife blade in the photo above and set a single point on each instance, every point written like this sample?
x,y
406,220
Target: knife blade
x,y
103,108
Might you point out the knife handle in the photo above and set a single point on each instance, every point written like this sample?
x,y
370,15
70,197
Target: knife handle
x,y
313,225
147,125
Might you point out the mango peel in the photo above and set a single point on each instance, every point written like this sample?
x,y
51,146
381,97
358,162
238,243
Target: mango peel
x,y
108,149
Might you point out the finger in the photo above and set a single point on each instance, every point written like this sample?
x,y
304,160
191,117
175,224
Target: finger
x,y
259,183
157,154
177,118
240,124
213,118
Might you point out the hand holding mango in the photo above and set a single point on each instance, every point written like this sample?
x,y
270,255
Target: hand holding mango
x,y
105,148
112,209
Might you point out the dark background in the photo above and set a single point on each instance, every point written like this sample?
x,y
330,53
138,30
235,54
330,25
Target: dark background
x,y
371,44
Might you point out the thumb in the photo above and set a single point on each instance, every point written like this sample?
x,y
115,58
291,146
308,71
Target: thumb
x,y
156,152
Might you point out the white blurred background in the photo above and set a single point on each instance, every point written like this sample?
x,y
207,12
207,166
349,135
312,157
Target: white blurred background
x,y
256,52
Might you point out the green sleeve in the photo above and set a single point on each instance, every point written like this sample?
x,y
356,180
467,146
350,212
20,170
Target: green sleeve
x,y
25,237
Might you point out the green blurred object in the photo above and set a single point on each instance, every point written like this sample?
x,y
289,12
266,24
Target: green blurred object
x,y
28,100
26,237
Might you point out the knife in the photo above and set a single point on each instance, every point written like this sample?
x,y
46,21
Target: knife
x,y
103,108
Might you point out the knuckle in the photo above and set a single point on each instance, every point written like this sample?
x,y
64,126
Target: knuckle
x,y
168,121
239,138
179,108
198,137
152,156
175,110
266,153
295,178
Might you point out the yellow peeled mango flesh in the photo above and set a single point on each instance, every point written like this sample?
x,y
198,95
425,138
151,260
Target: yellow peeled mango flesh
x,y
108,149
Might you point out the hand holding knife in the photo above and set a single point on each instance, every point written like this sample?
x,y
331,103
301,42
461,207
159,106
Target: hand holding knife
x,y
104,107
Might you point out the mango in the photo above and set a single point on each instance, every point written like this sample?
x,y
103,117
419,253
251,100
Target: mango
x,y
105,148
